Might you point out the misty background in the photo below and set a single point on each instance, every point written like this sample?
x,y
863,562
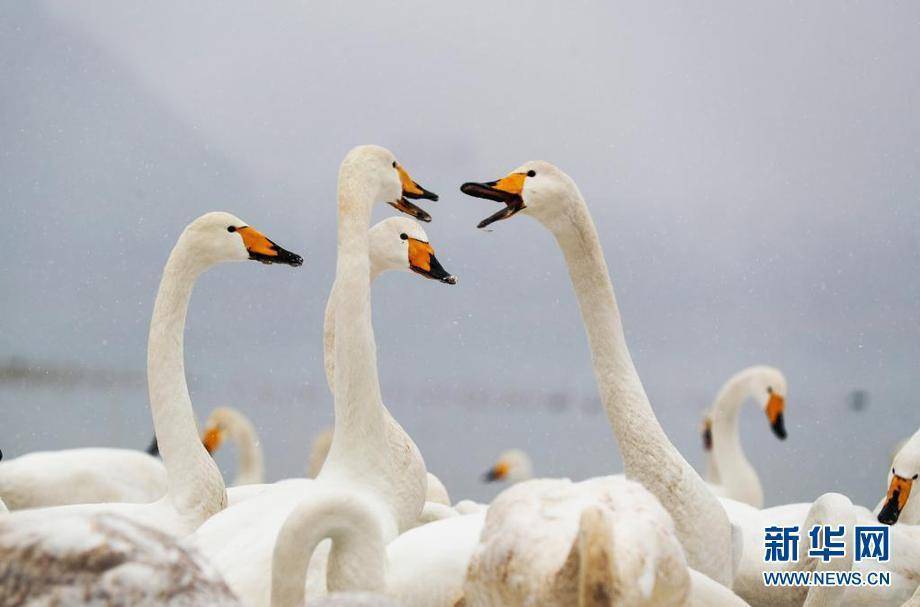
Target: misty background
x,y
753,170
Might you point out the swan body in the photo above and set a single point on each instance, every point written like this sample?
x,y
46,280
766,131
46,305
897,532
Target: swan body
x,y
730,473
371,456
102,559
227,423
81,476
558,543
195,487
542,191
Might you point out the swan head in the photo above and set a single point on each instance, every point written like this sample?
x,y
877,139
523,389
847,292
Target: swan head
x,y
221,423
216,237
513,465
905,470
768,386
395,185
399,243
533,188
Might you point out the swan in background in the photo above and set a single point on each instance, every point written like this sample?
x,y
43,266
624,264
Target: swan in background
x,y
729,473
227,423
102,559
897,506
195,488
372,457
543,191
513,465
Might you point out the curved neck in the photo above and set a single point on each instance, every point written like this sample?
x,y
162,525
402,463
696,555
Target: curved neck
x,y
648,455
357,560
834,510
196,488
251,466
736,474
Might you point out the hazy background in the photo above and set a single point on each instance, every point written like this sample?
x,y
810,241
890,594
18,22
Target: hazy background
x,y
753,169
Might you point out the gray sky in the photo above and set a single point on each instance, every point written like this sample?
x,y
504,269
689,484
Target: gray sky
x,y
753,169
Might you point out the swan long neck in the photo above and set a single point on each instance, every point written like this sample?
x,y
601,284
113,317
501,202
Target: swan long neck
x,y
648,456
196,488
359,411
734,469
376,269
251,468
357,560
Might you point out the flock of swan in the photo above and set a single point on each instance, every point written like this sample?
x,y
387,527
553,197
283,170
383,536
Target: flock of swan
x,y
368,524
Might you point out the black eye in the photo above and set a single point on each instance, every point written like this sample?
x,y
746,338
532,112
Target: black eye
x,y
394,164
231,229
915,476
531,173
892,471
404,236
769,389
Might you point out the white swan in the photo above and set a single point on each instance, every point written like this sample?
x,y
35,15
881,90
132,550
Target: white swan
x,y
371,455
513,465
102,559
729,473
81,476
319,449
897,506
543,191
196,489
227,423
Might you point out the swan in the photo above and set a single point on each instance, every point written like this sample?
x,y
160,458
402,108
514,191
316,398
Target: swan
x,y
371,455
102,559
543,191
730,474
81,476
319,448
513,465
905,470
602,541
228,423
195,489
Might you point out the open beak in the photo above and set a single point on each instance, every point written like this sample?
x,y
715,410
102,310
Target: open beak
x,y
506,190
707,435
263,250
422,261
775,407
212,439
496,473
898,492
412,190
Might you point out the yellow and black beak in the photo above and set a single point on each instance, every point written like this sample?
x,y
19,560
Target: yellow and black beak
x,y
775,407
898,493
263,250
506,190
212,439
422,261
707,434
496,473
412,190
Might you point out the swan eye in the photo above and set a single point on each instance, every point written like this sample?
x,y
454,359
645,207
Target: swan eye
x,y
404,236
915,476
769,389
531,173
394,164
231,229
892,471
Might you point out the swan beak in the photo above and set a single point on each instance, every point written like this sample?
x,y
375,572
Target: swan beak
x,y
263,250
212,439
707,435
506,190
412,190
422,261
496,473
775,407
898,492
